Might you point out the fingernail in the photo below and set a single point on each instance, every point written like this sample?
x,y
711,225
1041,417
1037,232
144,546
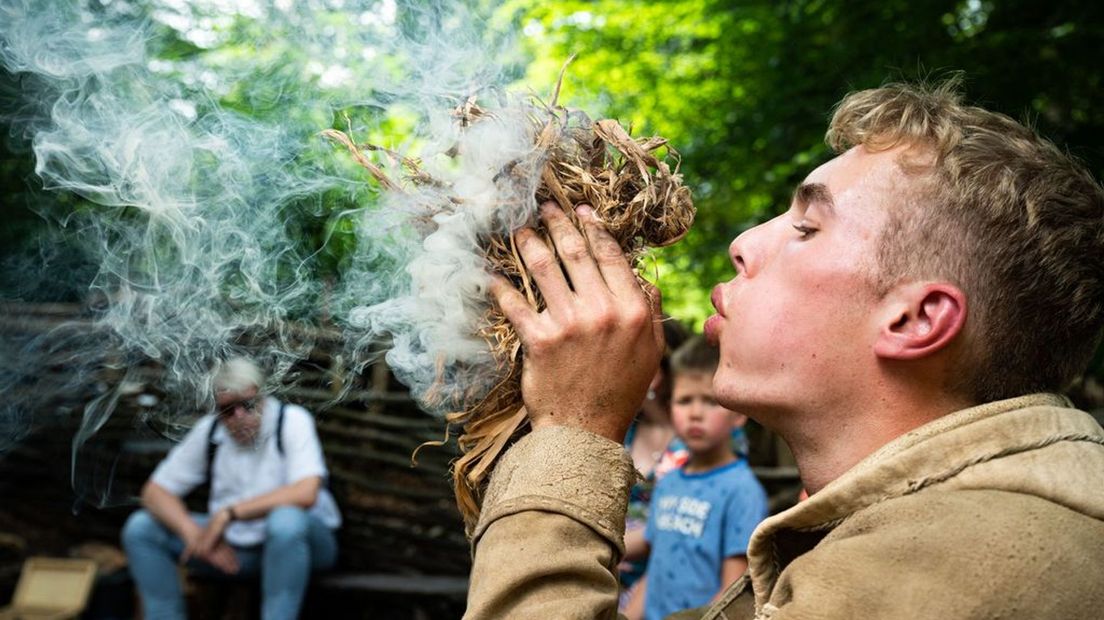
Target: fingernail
x,y
584,210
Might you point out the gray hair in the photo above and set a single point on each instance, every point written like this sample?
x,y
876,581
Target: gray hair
x,y
238,374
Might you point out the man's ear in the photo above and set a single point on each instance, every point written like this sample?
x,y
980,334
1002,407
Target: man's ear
x,y
921,319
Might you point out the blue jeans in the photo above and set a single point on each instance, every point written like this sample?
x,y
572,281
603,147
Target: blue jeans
x,y
295,544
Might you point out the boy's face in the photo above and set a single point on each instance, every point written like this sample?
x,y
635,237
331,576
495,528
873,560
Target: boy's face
x,y
796,326
703,424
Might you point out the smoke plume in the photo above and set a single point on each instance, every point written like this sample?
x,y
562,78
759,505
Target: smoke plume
x,y
217,220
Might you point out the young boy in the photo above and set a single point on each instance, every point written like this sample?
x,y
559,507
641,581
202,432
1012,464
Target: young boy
x,y
702,515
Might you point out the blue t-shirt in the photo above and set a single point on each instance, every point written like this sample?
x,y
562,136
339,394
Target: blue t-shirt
x,y
696,521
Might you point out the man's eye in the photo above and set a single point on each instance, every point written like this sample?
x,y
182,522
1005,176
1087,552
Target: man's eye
x,y
805,229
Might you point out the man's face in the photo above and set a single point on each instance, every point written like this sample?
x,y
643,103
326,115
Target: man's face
x,y
796,326
240,412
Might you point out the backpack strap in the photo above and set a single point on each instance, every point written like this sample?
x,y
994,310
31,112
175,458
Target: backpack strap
x,y
280,440
280,429
211,446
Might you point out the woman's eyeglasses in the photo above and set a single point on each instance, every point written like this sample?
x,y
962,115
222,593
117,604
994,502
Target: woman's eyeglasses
x,y
249,404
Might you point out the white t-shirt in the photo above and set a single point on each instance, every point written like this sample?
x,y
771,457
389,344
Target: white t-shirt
x,y
242,472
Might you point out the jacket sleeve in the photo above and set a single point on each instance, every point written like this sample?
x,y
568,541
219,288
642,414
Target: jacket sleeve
x,y
551,531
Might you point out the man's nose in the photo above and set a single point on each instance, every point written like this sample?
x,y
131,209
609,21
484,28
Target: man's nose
x,y
747,249
736,253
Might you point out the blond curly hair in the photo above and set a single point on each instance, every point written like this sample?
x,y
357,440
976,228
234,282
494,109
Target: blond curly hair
x,y
1002,213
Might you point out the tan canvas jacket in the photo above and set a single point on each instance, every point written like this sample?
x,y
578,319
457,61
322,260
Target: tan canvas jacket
x,y
992,512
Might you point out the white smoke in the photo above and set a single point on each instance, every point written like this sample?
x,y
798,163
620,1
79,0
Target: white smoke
x,y
195,212
434,316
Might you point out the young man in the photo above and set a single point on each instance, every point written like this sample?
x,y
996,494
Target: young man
x,y
269,512
903,326
702,514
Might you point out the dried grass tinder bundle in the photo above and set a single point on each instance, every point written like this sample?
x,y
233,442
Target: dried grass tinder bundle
x,y
635,189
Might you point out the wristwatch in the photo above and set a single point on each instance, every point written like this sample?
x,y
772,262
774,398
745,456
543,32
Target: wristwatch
x,y
230,511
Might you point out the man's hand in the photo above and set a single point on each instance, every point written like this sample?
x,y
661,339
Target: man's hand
x,y
207,545
212,534
191,539
590,355
223,558
202,544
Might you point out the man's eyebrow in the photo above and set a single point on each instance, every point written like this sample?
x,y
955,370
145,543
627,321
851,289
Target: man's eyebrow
x,y
808,193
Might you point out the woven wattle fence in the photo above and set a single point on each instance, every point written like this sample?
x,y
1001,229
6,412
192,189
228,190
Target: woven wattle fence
x,y
398,519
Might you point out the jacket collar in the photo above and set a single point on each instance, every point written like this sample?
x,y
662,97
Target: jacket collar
x,y
906,465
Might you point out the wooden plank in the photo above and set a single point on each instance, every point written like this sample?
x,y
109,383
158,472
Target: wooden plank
x,y
398,584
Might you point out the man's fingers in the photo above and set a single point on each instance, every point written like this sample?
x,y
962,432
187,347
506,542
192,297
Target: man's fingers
x,y
572,248
204,546
223,564
655,302
514,305
609,256
229,559
542,264
232,559
191,548
223,558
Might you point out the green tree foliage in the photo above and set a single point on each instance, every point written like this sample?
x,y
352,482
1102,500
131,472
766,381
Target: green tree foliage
x,y
744,88
300,69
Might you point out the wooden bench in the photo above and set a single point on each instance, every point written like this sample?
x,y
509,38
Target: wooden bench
x,y
337,594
